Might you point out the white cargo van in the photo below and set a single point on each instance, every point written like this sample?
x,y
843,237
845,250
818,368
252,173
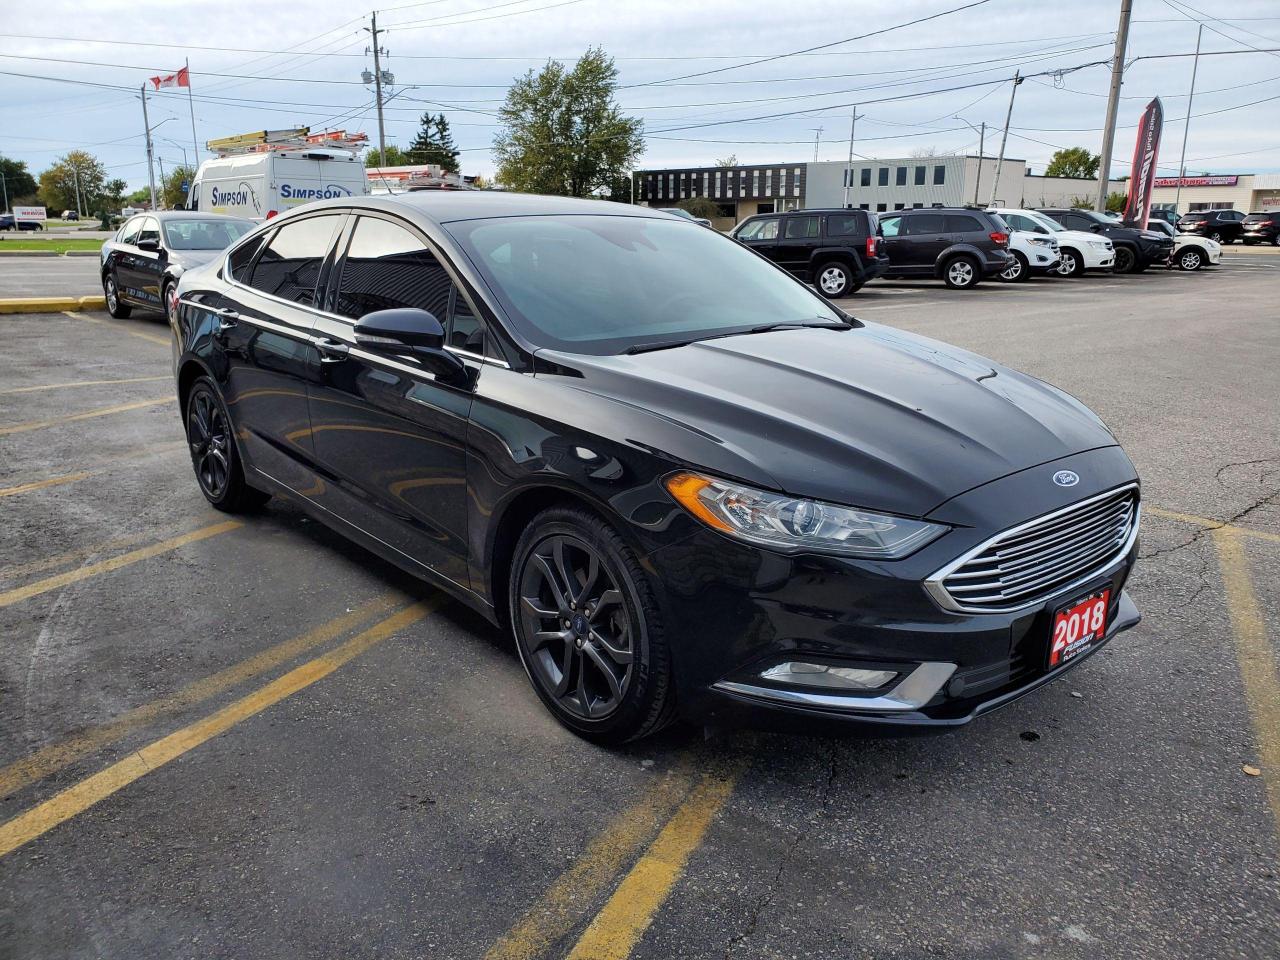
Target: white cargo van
x,y
260,185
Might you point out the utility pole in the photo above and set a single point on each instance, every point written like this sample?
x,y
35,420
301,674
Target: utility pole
x,y
995,183
1186,126
377,86
75,179
817,141
977,181
151,176
848,169
1113,105
4,186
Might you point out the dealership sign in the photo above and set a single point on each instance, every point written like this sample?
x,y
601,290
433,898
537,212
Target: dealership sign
x,y
1138,204
29,214
1196,181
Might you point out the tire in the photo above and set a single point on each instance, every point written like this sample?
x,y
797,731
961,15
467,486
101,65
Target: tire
x,y
599,662
1018,271
834,279
214,456
1190,259
168,297
1126,260
961,273
111,291
1071,265
1216,236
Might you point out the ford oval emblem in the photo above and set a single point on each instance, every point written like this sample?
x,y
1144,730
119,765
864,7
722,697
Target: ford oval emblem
x,y
1066,478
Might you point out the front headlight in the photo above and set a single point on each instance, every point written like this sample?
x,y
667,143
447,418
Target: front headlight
x,y
1099,244
1040,241
794,525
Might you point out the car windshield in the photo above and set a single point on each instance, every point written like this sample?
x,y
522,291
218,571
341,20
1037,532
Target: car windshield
x,y
204,234
606,284
1048,223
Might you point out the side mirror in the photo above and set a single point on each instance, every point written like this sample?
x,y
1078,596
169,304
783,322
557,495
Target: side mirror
x,y
1096,227
408,330
149,244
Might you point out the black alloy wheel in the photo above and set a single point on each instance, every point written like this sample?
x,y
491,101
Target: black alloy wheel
x,y
1126,262
588,628
111,291
213,452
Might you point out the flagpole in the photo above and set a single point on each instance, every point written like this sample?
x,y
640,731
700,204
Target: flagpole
x,y
195,144
151,176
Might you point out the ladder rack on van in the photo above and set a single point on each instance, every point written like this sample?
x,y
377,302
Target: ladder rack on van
x,y
297,138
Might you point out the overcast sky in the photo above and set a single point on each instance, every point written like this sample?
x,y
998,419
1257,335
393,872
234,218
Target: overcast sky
x,y
460,55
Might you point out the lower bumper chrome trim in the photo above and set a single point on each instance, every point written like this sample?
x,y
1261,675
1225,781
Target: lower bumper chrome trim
x,y
915,690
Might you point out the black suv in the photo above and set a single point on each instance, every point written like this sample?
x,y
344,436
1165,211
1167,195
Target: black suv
x,y
1135,249
959,245
1223,226
835,250
1261,228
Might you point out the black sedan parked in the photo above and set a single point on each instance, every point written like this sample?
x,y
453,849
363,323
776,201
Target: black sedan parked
x,y
684,482
142,263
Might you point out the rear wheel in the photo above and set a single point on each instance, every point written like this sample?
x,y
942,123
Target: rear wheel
x,y
213,452
1017,271
1190,259
835,280
1216,236
961,273
1126,261
588,629
111,291
169,296
1070,264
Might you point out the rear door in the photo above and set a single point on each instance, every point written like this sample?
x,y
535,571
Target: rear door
x,y
801,235
971,230
264,329
390,438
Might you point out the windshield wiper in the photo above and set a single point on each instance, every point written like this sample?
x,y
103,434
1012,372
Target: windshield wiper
x,y
763,328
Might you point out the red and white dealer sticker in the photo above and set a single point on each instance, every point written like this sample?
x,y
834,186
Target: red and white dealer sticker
x,y
1078,626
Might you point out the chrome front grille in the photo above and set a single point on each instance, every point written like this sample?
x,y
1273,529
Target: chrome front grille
x,y
1027,563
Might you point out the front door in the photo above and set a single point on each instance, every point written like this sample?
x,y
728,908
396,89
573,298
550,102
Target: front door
x,y
762,237
390,437
924,237
140,270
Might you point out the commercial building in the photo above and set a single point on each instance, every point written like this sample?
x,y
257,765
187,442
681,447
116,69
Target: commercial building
x,y
739,191
1236,191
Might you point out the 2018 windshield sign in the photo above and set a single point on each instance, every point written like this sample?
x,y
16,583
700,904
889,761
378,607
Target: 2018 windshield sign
x,y
328,192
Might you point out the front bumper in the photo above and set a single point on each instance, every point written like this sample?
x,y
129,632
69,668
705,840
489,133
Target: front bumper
x,y
734,611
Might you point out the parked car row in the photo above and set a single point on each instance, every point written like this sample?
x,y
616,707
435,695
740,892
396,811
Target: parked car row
x,y
840,250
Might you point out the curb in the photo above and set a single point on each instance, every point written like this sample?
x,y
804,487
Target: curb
x,y
29,253
51,304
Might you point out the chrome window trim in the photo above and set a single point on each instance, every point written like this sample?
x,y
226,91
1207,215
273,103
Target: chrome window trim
x,y
933,584
914,690
298,333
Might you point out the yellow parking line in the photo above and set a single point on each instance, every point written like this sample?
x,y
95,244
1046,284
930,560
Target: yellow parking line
x,y
87,415
74,800
55,756
1207,523
623,920
41,484
82,383
566,901
18,594
122,327
1257,659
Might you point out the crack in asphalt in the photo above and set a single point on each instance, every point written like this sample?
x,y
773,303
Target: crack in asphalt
x,y
1200,533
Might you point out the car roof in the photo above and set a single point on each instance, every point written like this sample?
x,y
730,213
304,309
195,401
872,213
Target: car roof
x,y
446,206
165,215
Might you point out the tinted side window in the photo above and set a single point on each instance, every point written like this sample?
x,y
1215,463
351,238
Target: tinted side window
x,y
388,266
241,258
129,232
150,230
466,330
801,227
922,223
961,223
1073,221
844,225
290,265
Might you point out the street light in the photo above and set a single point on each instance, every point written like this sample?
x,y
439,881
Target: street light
x,y
982,139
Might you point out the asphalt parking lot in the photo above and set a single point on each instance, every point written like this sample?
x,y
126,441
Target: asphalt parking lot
x,y
246,738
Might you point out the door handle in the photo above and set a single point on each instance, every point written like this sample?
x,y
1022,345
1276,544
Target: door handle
x,y
332,351
227,318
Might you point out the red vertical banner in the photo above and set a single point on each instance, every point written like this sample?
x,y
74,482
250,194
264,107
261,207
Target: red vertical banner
x,y
1143,175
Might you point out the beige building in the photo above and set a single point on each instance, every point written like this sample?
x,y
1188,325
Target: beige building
x,y
1249,192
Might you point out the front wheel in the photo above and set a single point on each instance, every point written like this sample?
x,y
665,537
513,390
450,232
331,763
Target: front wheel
x,y
213,452
169,296
1216,236
111,291
835,280
1190,260
588,628
1070,264
1017,271
961,273
1126,261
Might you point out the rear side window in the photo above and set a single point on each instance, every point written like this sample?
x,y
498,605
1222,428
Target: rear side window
x,y
922,223
241,259
290,265
844,225
889,226
963,223
800,228
387,266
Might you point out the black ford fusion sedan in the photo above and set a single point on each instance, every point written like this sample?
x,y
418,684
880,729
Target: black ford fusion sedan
x,y
685,483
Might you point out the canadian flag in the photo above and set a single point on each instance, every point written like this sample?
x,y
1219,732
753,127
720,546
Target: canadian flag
x,y
180,79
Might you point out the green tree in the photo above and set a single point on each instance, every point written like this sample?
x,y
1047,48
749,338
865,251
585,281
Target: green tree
x,y
1073,162
395,158
434,144
19,184
172,197
563,133
140,196
703,207
1116,202
58,184
730,161
113,193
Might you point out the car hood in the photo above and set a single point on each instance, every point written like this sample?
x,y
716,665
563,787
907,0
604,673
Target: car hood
x,y
870,417
1078,236
193,258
